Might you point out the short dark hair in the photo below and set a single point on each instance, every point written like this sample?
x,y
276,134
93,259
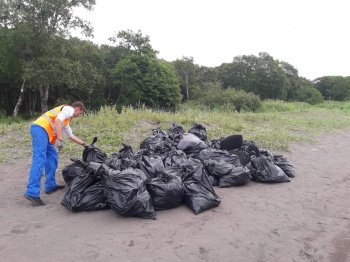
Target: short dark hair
x,y
78,104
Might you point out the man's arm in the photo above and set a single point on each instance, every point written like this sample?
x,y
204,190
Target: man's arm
x,y
77,140
59,129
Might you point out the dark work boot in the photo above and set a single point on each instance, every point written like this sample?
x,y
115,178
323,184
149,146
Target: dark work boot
x,y
59,187
35,200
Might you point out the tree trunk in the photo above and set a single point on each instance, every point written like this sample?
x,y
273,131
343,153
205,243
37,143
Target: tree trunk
x,y
20,99
44,96
186,86
32,101
187,92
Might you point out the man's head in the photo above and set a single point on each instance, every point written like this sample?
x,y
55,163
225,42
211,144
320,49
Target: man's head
x,y
79,108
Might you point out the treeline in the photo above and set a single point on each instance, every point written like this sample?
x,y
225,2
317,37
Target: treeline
x,y
42,66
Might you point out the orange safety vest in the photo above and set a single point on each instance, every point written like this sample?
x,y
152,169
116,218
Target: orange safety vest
x,y
47,121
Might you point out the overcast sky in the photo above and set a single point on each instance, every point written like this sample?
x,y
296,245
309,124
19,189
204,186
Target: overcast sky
x,y
311,35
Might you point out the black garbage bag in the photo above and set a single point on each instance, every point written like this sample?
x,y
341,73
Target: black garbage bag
x,y
199,197
152,143
93,154
175,138
93,198
175,134
122,159
191,144
266,153
251,148
73,170
84,194
238,176
213,180
231,142
214,143
166,191
125,152
194,168
243,156
227,174
149,163
175,158
159,144
218,167
175,171
284,164
218,155
200,131
176,129
115,163
127,193
199,192
264,170
159,131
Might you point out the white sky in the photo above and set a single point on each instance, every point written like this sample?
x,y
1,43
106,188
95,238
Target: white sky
x,y
311,35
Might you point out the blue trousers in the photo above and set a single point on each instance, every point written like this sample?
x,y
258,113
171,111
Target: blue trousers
x,y
45,157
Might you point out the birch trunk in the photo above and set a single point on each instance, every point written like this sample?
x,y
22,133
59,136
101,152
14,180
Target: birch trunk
x,y
20,99
44,96
186,87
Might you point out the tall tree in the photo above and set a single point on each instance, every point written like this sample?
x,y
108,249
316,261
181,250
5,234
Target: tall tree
x,y
141,77
112,55
41,22
132,42
187,73
77,72
10,67
260,75
293,78
333,87
268,79
148,81
207,74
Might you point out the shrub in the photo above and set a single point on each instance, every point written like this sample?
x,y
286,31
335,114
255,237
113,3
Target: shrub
x,y
309,95
238,100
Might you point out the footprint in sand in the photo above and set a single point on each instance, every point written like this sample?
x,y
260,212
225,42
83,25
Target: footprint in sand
x,y
92,254
19,231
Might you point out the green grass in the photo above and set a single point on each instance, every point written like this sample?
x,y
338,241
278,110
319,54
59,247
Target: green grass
x,y
275,127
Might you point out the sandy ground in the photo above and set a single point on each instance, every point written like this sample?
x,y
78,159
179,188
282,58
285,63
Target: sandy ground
x,y
307,219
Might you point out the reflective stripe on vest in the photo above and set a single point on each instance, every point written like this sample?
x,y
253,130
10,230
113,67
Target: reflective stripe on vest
x,y
53,111
47,121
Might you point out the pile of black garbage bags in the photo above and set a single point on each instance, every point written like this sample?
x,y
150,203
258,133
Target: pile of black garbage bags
x,y
172,168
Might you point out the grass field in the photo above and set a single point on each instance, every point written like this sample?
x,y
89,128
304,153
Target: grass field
x,y
275,127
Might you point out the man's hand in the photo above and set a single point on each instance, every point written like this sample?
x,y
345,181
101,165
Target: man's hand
x,y
60,144
85,145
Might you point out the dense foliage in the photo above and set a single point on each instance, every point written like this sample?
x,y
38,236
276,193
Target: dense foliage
x,y
41,66
228,99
